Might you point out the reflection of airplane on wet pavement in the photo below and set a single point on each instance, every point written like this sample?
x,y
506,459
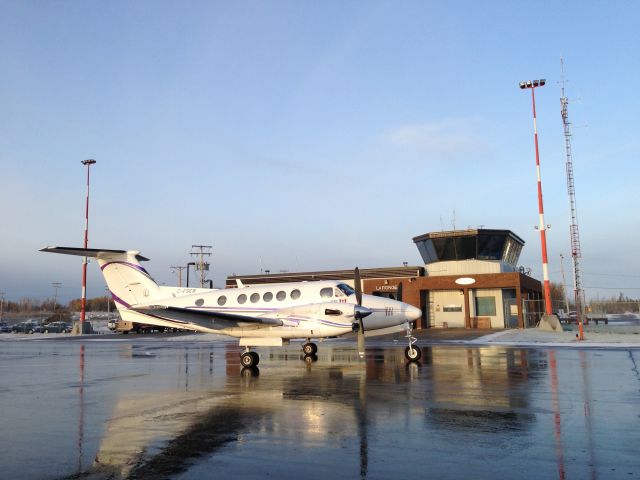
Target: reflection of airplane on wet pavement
x,y
264,315
324,406
337,416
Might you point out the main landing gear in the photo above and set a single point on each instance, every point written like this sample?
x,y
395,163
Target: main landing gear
x,y
310,349
412,352
249,359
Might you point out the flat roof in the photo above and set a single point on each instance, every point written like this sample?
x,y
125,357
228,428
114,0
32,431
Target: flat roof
x,y
365,274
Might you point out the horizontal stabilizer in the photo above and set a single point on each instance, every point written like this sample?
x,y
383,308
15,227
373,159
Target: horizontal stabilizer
x,y
93,252
203,317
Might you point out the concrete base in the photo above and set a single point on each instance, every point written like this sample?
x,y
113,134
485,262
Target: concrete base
x,y
87,328
550,323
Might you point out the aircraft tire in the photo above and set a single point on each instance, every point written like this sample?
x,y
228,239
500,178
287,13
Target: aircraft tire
x,y
309,359
413,354
256,358
249,359
310,348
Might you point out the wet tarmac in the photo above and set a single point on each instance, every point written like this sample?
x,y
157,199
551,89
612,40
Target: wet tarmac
x,y
147,408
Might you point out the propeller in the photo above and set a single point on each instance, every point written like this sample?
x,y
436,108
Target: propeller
x,y
358,312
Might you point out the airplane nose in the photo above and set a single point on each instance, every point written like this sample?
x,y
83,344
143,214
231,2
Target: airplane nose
x,y
412,313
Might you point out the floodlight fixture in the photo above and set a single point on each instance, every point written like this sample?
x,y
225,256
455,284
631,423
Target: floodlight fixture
x,y
533,83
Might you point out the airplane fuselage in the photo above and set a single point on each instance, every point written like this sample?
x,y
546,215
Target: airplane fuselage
x,y
302,307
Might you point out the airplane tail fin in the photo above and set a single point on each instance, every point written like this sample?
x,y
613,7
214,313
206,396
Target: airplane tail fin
x,y
129,283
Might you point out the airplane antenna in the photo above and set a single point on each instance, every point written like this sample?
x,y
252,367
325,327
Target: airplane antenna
x,y
201,252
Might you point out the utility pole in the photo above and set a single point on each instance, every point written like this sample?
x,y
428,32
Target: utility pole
x,y
202,266
178,269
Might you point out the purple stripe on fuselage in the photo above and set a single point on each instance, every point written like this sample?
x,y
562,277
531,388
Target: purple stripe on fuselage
x,y
119,300
132,265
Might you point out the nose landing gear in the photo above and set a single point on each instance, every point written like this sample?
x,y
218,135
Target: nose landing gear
x,y
412,352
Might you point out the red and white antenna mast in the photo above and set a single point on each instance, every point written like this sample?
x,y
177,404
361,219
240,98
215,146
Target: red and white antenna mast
x,y
574,232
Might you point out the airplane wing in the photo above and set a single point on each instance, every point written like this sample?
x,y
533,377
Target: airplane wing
x,y
203,318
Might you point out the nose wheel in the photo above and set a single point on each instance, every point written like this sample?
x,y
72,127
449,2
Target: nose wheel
x,y
412,352
249,359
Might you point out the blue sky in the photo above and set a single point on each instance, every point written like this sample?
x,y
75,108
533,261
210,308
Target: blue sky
x,y
296,135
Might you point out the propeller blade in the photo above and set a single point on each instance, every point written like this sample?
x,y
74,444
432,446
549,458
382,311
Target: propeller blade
x,y
358,285
360,312
399,293
361,349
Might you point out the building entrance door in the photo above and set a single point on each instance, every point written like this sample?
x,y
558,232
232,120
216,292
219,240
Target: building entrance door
x,y
510,312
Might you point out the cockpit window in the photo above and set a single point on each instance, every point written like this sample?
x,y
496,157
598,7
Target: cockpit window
x,y
326,292
346,289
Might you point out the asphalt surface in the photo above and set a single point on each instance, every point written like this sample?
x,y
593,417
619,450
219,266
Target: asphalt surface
x,y
180,407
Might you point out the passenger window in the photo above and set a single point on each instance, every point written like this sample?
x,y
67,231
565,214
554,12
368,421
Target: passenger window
x,y
267,297
295,294
242,298
326,292
337,293
281,295
222,300
255,297
200,302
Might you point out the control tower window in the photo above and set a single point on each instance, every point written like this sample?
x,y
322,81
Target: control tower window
x,y
490,247
455,248
326,292
346,289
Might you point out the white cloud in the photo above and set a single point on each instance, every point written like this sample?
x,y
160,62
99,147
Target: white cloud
x,y
449,137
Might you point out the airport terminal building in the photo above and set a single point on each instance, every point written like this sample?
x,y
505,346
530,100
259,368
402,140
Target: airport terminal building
x,y
469,279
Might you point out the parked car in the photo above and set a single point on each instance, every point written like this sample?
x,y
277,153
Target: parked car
x,y
26,327
4,327
57,327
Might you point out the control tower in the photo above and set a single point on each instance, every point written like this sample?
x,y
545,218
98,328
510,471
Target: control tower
x,y
469,251
471,279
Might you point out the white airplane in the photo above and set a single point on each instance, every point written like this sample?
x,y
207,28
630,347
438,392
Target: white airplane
x,y
260,315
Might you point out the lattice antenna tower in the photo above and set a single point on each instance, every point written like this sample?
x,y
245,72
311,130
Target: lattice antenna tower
x,y
201,252
574,231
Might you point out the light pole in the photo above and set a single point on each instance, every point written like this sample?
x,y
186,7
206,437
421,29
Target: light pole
x,y
83,307
56,286
533,84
